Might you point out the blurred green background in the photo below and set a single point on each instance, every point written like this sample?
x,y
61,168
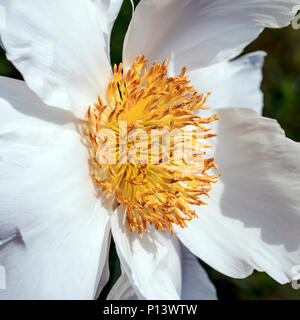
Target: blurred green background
x,y
281,87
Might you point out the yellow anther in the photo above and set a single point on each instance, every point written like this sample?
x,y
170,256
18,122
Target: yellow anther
x,y
152,190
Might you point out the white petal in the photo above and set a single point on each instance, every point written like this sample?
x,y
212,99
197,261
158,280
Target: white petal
x,y
61,48
232,83
54,233
111,9
195,282
122,290
104,273
151,260
200,33
21,107
252,220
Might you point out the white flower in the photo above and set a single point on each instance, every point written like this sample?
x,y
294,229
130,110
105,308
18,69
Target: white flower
x,y
54,229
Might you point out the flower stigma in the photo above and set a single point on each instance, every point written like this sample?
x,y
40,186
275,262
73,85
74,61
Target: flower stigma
x,y
148,145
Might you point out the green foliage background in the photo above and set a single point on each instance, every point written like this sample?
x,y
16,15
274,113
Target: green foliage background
x,y
281,87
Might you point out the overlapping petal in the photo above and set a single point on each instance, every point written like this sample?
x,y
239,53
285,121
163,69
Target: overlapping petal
x,y
200,33
232,83
252,219
122,289
195,282
54,231
61,48
152,261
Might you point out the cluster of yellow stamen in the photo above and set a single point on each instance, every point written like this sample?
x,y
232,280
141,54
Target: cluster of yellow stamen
x,y
152,191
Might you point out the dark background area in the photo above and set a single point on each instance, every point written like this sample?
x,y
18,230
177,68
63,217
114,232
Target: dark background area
x,y
281,87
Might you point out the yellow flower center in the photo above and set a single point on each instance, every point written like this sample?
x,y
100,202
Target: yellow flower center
x,y
148,145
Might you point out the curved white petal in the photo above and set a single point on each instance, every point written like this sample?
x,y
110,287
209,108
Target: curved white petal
x,y
22,107
104,272
200,33
232,83
61,48
252,219
151,260
195,282
54,232
122,290
111,9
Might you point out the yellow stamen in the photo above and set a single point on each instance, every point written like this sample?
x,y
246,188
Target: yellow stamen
x,y
151,190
